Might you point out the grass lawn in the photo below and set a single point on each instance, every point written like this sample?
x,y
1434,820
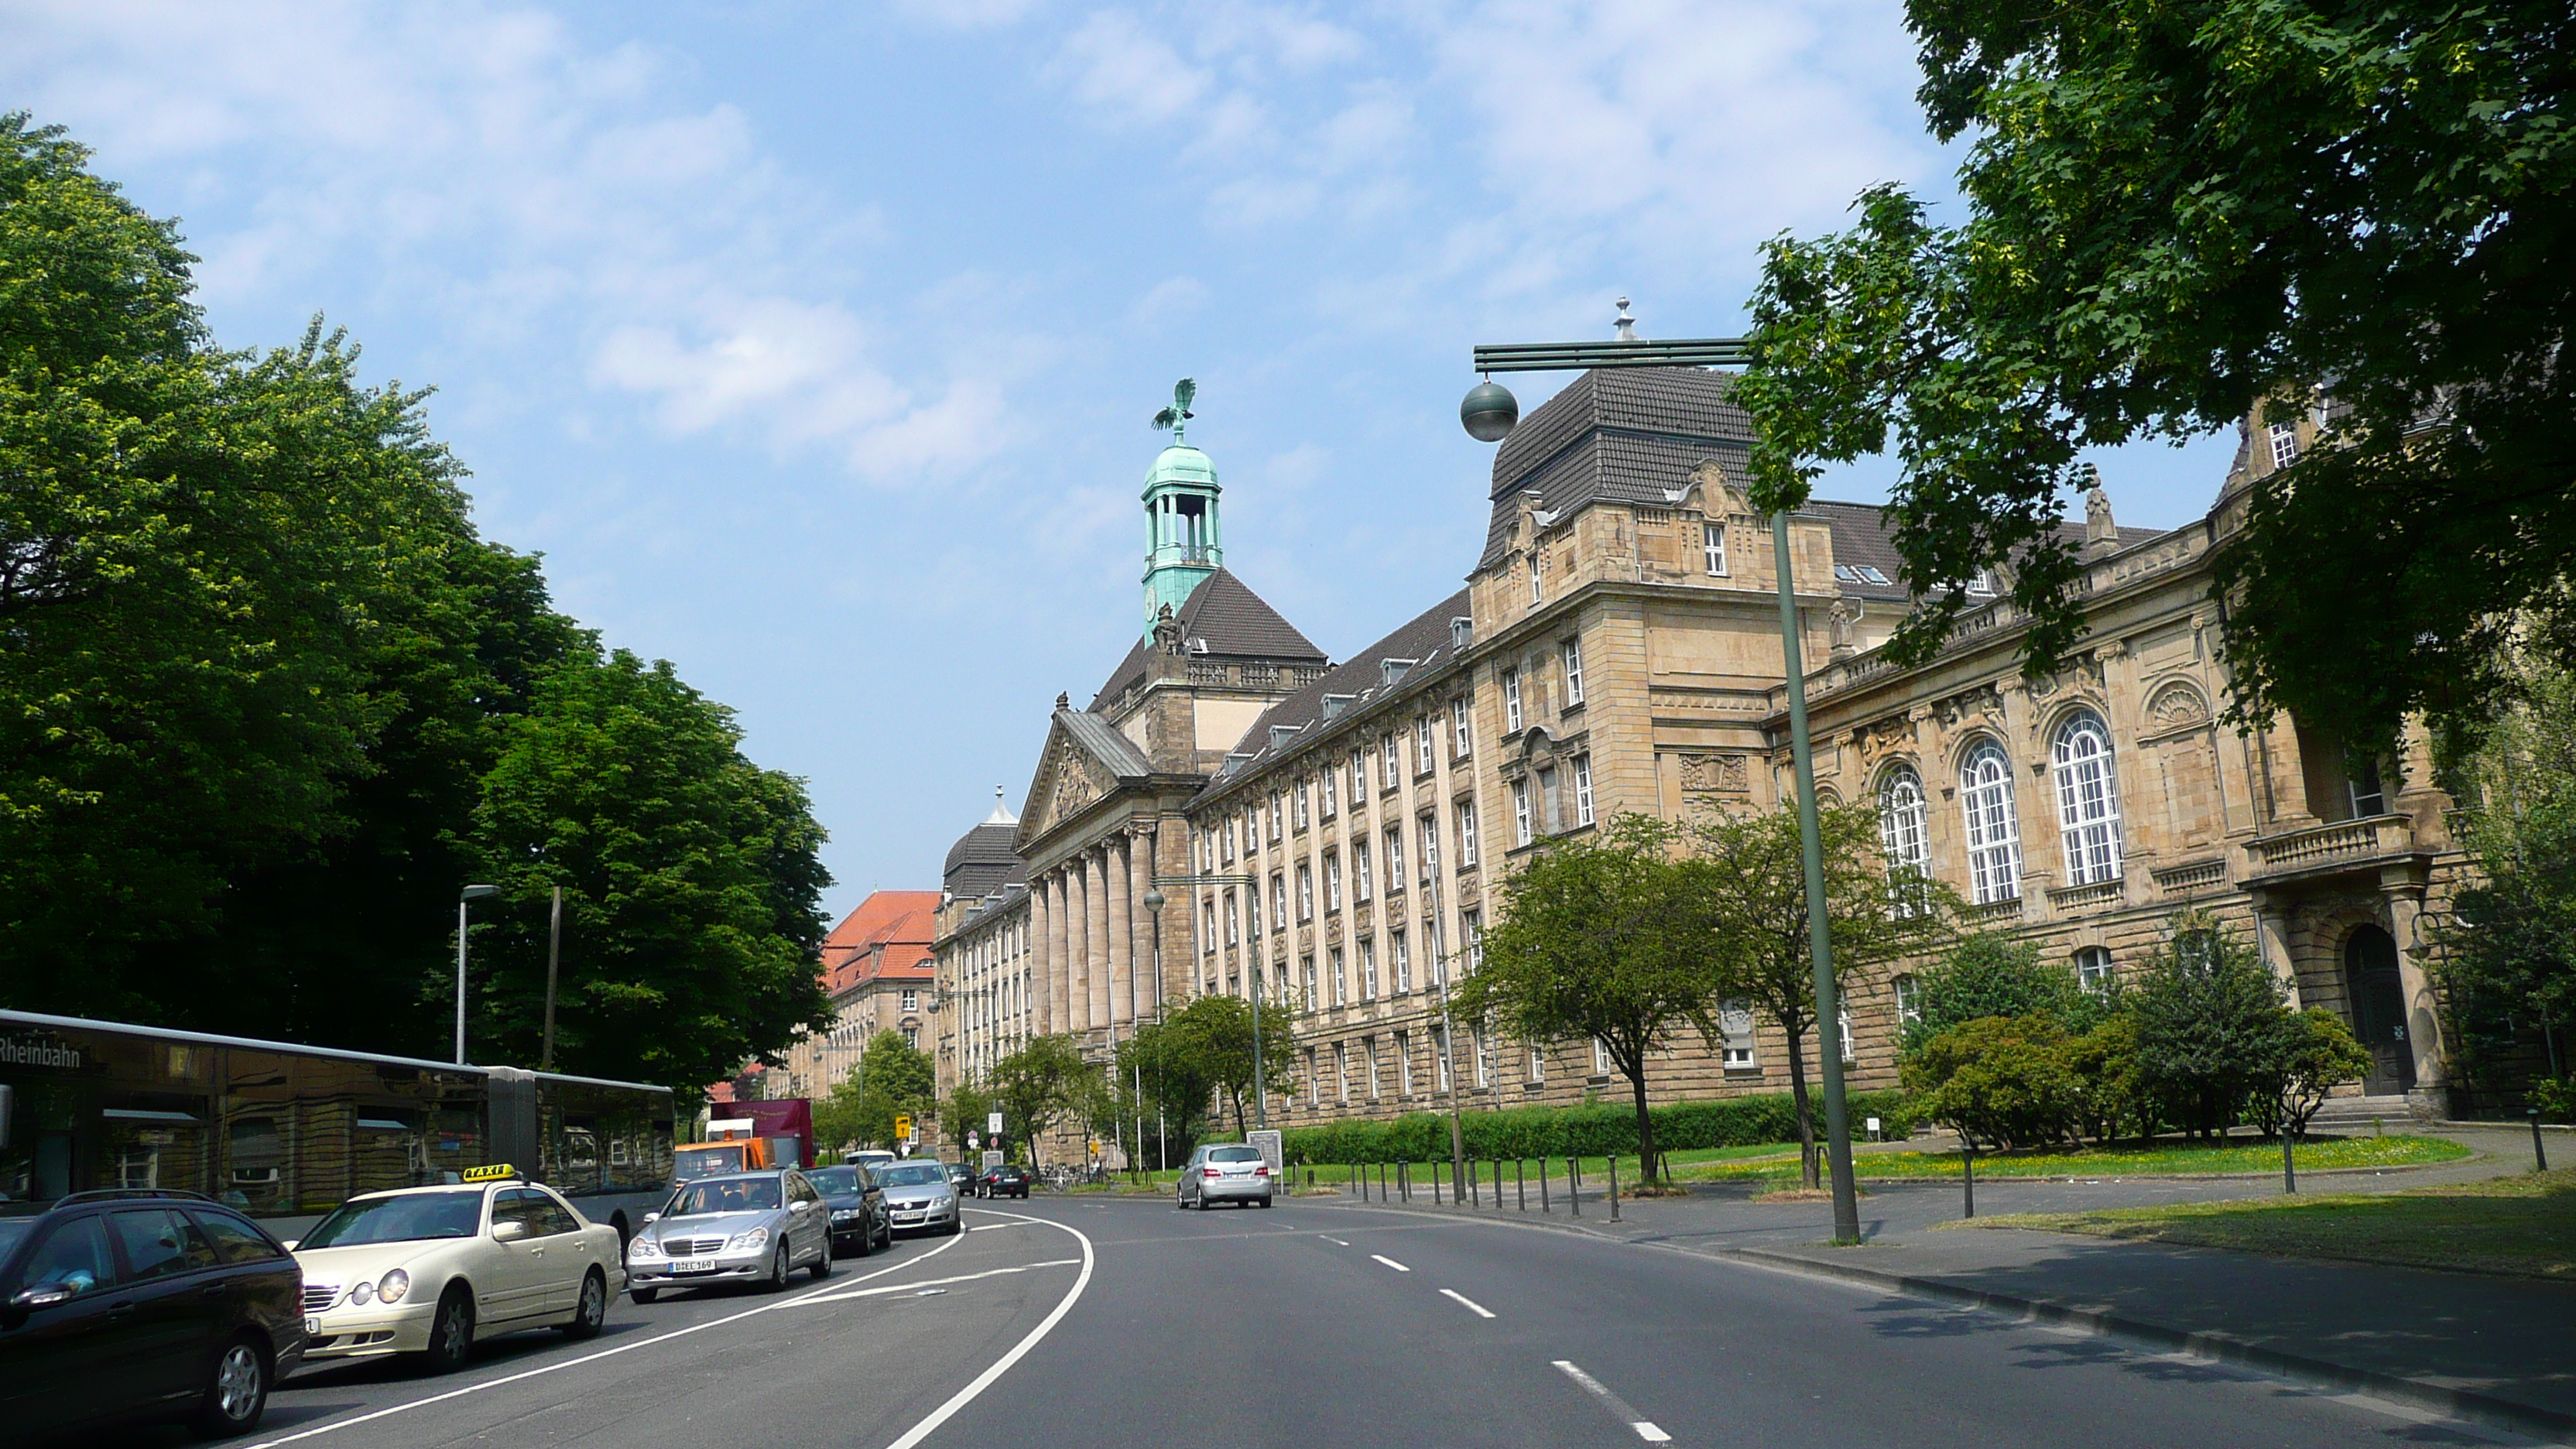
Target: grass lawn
x,y
2164,1158
2523,1226
1596,1170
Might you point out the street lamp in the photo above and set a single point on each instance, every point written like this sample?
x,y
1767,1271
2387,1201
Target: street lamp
x,y
469,894
1260,1107
1489,413
1154,908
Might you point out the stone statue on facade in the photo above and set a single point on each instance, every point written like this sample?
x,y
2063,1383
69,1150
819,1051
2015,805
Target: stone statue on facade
x,y
2101,535
1167,632
1845,618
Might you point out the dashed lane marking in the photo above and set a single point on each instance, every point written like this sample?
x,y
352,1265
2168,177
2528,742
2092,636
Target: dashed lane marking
x,y
1390,1262
929,1282
1336,1242
1470,1304
1644,1427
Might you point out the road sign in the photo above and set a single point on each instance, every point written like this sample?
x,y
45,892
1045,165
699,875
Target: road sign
x,y
993,1123
973,1141
992,1159
1267,1139
903,1128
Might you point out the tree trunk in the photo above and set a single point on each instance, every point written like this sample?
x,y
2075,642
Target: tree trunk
x,y
1645,1130
1235,1095
1798,1095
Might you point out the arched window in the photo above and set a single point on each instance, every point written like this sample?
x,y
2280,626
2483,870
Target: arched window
x,y
2093,970
1994,840
2088,800
1902,833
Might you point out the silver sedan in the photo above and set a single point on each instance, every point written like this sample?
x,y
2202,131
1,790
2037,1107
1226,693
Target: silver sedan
x,y
750,1227
920,1198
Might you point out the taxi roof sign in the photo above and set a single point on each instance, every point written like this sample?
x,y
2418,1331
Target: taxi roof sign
x,y
497,1172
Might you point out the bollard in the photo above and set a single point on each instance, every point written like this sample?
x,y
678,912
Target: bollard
x,y
1574,1185
1543,1205
1403,1181
1381,1181
2539,1150
1498,1184
1310,1179
2289,1172
1968,1176
1475,1190
1520,1183
1614,1187
1434,1175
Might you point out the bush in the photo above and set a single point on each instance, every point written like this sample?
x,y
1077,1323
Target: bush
x,y
2000,1080
2214,1032
2555,1097
2117,1098
2317,1052
1993,975
1592,1131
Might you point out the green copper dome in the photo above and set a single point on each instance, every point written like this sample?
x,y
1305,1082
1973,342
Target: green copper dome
x,y
1183,465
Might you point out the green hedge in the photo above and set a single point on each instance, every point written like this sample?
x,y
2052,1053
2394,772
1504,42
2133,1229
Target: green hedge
x,y
1593,1131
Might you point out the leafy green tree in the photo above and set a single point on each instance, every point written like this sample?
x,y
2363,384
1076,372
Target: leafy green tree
x,y
965,1110
2179,211
691,885
1987,973
2214,1029
1175,1088
2317,1054
1999,1080
1211,1041
1748,892
893,1078
1603,936
1043,1085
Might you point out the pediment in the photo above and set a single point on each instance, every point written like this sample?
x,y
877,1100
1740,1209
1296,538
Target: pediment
x,y
1071,778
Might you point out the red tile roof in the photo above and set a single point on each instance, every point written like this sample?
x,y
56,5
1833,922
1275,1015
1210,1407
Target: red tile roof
x,y
888,936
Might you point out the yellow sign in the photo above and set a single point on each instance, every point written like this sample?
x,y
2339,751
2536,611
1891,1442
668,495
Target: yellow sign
x,y
903,1128
495,1173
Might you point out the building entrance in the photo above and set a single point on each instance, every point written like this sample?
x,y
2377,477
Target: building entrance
x,y
2378,1010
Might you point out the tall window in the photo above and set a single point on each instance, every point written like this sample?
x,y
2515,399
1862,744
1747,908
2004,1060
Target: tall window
x,y
1430,847
2284,439
2088,800
1314,1083
1422,760
1461,730
1735,1030
1232,933
1330,780
1368,970
1537,1064
1520,812
1399,962
911,999
2361,781
1512,700
1538,575
2093,968
1903,833
1600,1057
1573,672
1483,1043
1909,999
1994,840
1305,793
1368,1047
1404,1063
1207,909
1252,907
1306,971
1440,1058
1466,833
1332,881
1342,1069
1359,778
1583,789
1394,858
1305,892
1390,761
1341,977
1712,547
1274,817
1359,870
1471,939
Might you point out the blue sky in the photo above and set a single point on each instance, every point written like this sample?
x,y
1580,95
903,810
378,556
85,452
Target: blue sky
x,y
813,344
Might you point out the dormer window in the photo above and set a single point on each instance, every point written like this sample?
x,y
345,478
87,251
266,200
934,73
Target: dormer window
x,y
1537,577
1712,548
1392,670
1982,584
1462,632
2284,438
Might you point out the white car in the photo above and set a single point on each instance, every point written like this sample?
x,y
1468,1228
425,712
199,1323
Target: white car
x,y
429,1270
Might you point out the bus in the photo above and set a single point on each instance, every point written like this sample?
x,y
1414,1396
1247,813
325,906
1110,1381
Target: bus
x,y
290,1132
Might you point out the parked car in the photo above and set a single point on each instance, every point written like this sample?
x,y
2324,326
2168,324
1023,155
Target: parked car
x,y
858,1209
434,1270
1225,1172
140,1304
1008,1180
755,1227
919,1197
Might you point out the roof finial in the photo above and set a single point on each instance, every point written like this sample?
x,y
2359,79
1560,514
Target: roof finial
x,y
1177,417
1627,325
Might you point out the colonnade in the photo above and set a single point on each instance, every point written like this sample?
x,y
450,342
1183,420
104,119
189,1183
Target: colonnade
x,y
1094,941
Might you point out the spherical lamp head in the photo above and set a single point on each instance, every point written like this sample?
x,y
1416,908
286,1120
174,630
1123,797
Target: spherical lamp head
x,y
1490,412
1153,900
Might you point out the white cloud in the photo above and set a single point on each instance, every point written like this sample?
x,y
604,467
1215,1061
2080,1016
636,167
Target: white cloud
x,y
1124,71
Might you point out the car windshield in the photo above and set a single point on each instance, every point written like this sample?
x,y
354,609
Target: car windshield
x,y
724,1195
696,1162
1235,1154
913,1174
399,1219
835,1181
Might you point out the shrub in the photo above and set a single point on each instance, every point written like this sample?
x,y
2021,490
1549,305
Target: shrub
x,y
2002,1080
1987,974
2317,1051
2213,1030
2117,1098
2555,1097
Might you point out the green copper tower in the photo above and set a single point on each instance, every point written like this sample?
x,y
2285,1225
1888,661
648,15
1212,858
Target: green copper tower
x,y
1183,545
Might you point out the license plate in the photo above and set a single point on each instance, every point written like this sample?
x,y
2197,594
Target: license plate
x,y
693,1265
313,1328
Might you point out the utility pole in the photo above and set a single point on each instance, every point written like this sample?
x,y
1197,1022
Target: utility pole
x,y
554,953
463,898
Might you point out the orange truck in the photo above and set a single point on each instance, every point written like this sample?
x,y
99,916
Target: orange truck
x,y
758,1136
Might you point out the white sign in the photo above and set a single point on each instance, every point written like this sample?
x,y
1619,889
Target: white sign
x,y
1267,1139
992,1158
973,1141
993,1123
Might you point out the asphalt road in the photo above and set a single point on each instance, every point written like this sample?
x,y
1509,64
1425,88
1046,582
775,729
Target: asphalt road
x,y
1100,1321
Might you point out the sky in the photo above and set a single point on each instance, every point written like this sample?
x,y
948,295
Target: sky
x,y
813,344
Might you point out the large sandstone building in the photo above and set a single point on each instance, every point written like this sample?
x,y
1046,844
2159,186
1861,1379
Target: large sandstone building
x,y
1616,648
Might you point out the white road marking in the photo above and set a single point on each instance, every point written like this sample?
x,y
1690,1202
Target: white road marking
x,y
545,1369
1390,1262
925,1285
1470,1304
1644,1426
1327,1237
1002,1365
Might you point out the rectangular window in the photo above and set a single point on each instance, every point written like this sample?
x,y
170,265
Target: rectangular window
x,y
1422,761
1520,812
1207,929
1390,760
1537,1065
1278,901
1233,839
2092,971
1368,1046
1483,1043
1305,793
1331,779
1305,892
2284,438
1735,1029
1332,881
912,1037
1538,576
1583,789
1342,1070
1512,701
1600,1057
1314,1083
1471,939
1461,729
911,999
1359,870
1404,1063
1341,977
1359,778
1436,965
1712,548
1430,847
1233,922
1394,858
1440,1058
1274,817
1399,962
1573,672
1368,970
1466,834
1306,974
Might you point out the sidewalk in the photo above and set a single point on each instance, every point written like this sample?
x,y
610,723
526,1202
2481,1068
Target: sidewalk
x,y
2498,1350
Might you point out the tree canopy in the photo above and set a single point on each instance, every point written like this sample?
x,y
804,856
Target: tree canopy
x,y
2178,213
1211,1040
893,1078
1043,1085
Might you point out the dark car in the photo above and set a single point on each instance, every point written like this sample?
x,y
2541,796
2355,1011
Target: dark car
x,y
142,1304
1008,1180
962,1178
857,1205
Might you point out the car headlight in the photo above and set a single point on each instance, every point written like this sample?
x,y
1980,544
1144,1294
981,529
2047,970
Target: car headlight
x,y
843,1215
363,1293
644,1248
745,1242
391,1287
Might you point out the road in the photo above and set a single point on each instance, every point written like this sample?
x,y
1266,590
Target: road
x,y
1101,1321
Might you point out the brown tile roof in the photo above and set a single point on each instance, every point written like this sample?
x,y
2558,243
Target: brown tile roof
x,y
1236,624
889,934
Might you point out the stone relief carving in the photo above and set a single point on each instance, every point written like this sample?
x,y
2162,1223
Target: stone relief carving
x,y
1722,774
1984,702
2174,707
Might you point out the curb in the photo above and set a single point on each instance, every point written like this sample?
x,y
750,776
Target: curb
x,y
2467,1404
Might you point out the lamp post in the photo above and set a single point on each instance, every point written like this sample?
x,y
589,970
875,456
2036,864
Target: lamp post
x,y
1489,413
1260,1107
1154,910
469,894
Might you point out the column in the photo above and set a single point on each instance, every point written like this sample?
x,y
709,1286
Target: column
x,y
1077,926
1122,935
1095,917
1039,917
1057,968
2423,1014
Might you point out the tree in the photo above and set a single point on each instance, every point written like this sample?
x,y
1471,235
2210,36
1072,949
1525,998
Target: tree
x,y
965,1111
2176,213
2000,1080
2214,1029
893,1078
2317,1054
1176,1088
1211,1038
1043,1084
1600,937
1748,884
1987,973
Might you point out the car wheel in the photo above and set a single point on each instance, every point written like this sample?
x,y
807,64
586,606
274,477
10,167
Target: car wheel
x,y
238,1393
821,1267
451,1333
777,1271
591,1312
643,1295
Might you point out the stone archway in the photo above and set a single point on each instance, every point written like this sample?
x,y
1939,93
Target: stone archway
x,y
2377,1001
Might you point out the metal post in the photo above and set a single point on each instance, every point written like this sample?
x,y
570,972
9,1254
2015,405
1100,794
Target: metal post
x,y
1574,1184
1820,942
460,983
1543,1205
1435,1186
2539,1149
2289,1172
1260,1095
1968,1178
1498,1184
1520,1184
1614,1187
554,952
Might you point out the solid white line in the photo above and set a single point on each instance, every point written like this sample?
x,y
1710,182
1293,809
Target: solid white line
x,y
1390,1262
545,1369
935,1282
1002,1365
1470,1304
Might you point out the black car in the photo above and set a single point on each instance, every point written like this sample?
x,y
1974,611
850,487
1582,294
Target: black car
x,y
142,1304
962,1178
859,1222
1008,1180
